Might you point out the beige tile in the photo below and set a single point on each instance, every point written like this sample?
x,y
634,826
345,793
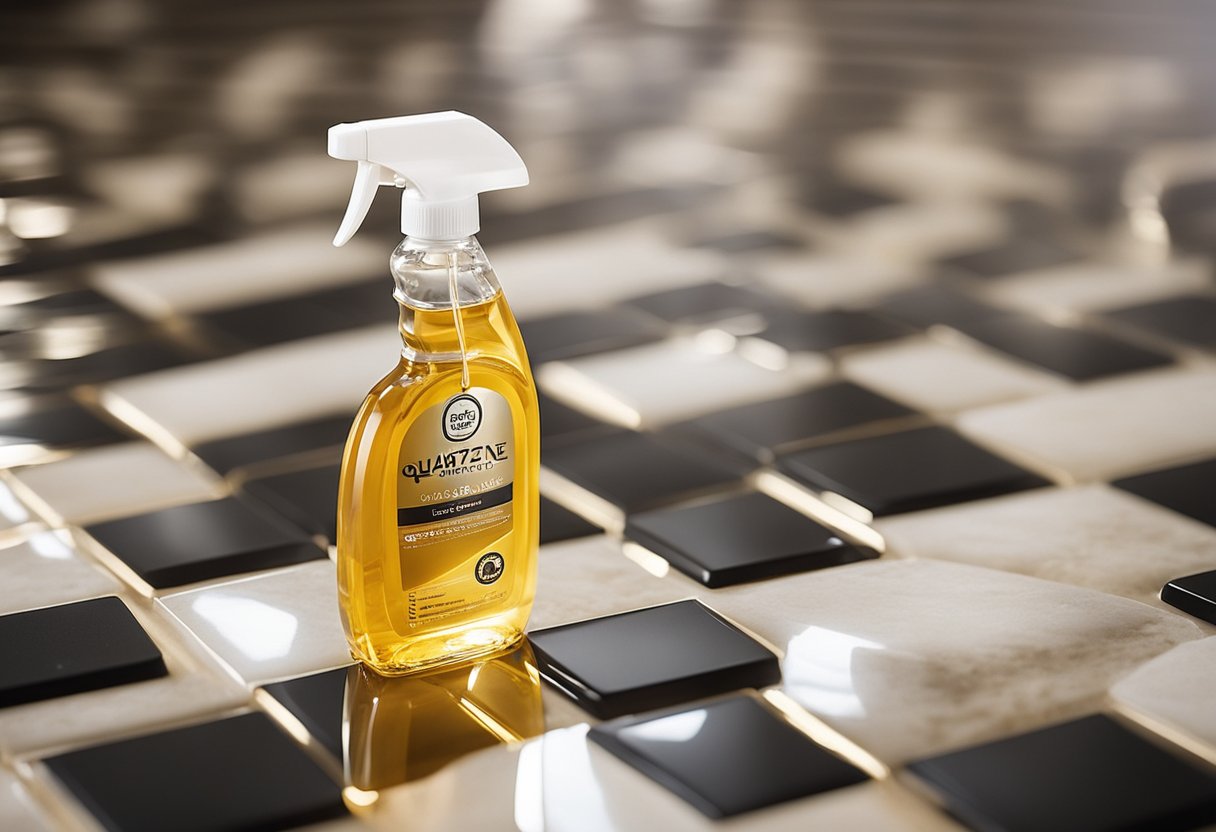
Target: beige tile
x,y
116,481
672,380
1108,429
18,812
260,389
823,279
270,265
934,376
1175,690
911,658
1092,536
1092,286
44,570
271,626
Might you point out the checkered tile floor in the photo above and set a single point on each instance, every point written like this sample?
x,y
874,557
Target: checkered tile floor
x,y
857,508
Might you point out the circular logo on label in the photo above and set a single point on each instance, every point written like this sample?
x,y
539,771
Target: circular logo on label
x,y
461,418
489,568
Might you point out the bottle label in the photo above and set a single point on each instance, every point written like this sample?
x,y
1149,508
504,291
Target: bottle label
x,y
455,475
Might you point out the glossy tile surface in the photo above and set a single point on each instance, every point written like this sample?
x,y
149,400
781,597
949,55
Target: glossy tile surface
x,y
651,658
1092,536
66,649
1186,489
1091,774
308,498
1111,428
269,627
691,380
634,471
1084,286
1193,594
197,542
741,538
828,330
703,303
43,569
558,523
907,471
28,431
117,481
239,451
573,334
991,653
171,779
925,306
935,376
762,429
316,701
1187,319
727,757
1175,689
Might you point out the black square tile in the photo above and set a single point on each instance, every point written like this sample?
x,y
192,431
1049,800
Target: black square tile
x,y
121,361
908,471
573,334
703,303
635,471
308,498
229,453
1088,775
740,538
1021,254
729,241
1194,595
727,757
1190,319
237,773
762,429
556,419
197,542
60,424
829,196
1187,489
1075,353
55,651
651,658
814,331
927,306
317,702
558,523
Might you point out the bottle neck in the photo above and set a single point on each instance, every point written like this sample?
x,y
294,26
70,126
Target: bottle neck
x,y
431,278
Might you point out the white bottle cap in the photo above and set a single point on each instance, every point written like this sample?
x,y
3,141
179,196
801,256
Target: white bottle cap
x,y
442,160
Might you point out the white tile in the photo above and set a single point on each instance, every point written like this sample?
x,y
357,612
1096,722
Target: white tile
x,y
260,389
1093,536
44,570
910,658
1175,689
934,376
675,379
595,268
271,626
1108,429
590,577
196,686
1092,286
267,266
13,512
920,232
822,279
17,810
116,481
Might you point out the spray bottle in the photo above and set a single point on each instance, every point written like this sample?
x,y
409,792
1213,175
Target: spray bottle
x,y
438,502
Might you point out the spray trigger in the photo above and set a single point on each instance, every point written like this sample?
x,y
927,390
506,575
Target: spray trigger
x,y
369,176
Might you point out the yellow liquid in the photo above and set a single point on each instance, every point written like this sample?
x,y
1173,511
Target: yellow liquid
x,y
374,601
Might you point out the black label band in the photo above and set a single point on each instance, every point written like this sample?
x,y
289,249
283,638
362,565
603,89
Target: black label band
x,y
454,508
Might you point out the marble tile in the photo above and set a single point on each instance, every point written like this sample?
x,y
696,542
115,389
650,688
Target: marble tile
x,y
910,658
684,378
1175,690
591,576
116,481
195,404
935,376
17,809
1089,285
284,262
1092,536
271,626
196,685
43,570
1108,429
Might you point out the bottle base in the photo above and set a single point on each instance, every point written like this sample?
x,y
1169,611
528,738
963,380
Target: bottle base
x,y
440,650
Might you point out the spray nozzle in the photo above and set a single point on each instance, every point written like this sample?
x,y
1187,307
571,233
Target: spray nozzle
x,y
442,160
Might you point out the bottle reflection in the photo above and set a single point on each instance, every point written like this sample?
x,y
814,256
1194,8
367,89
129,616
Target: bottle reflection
x,y
403,728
